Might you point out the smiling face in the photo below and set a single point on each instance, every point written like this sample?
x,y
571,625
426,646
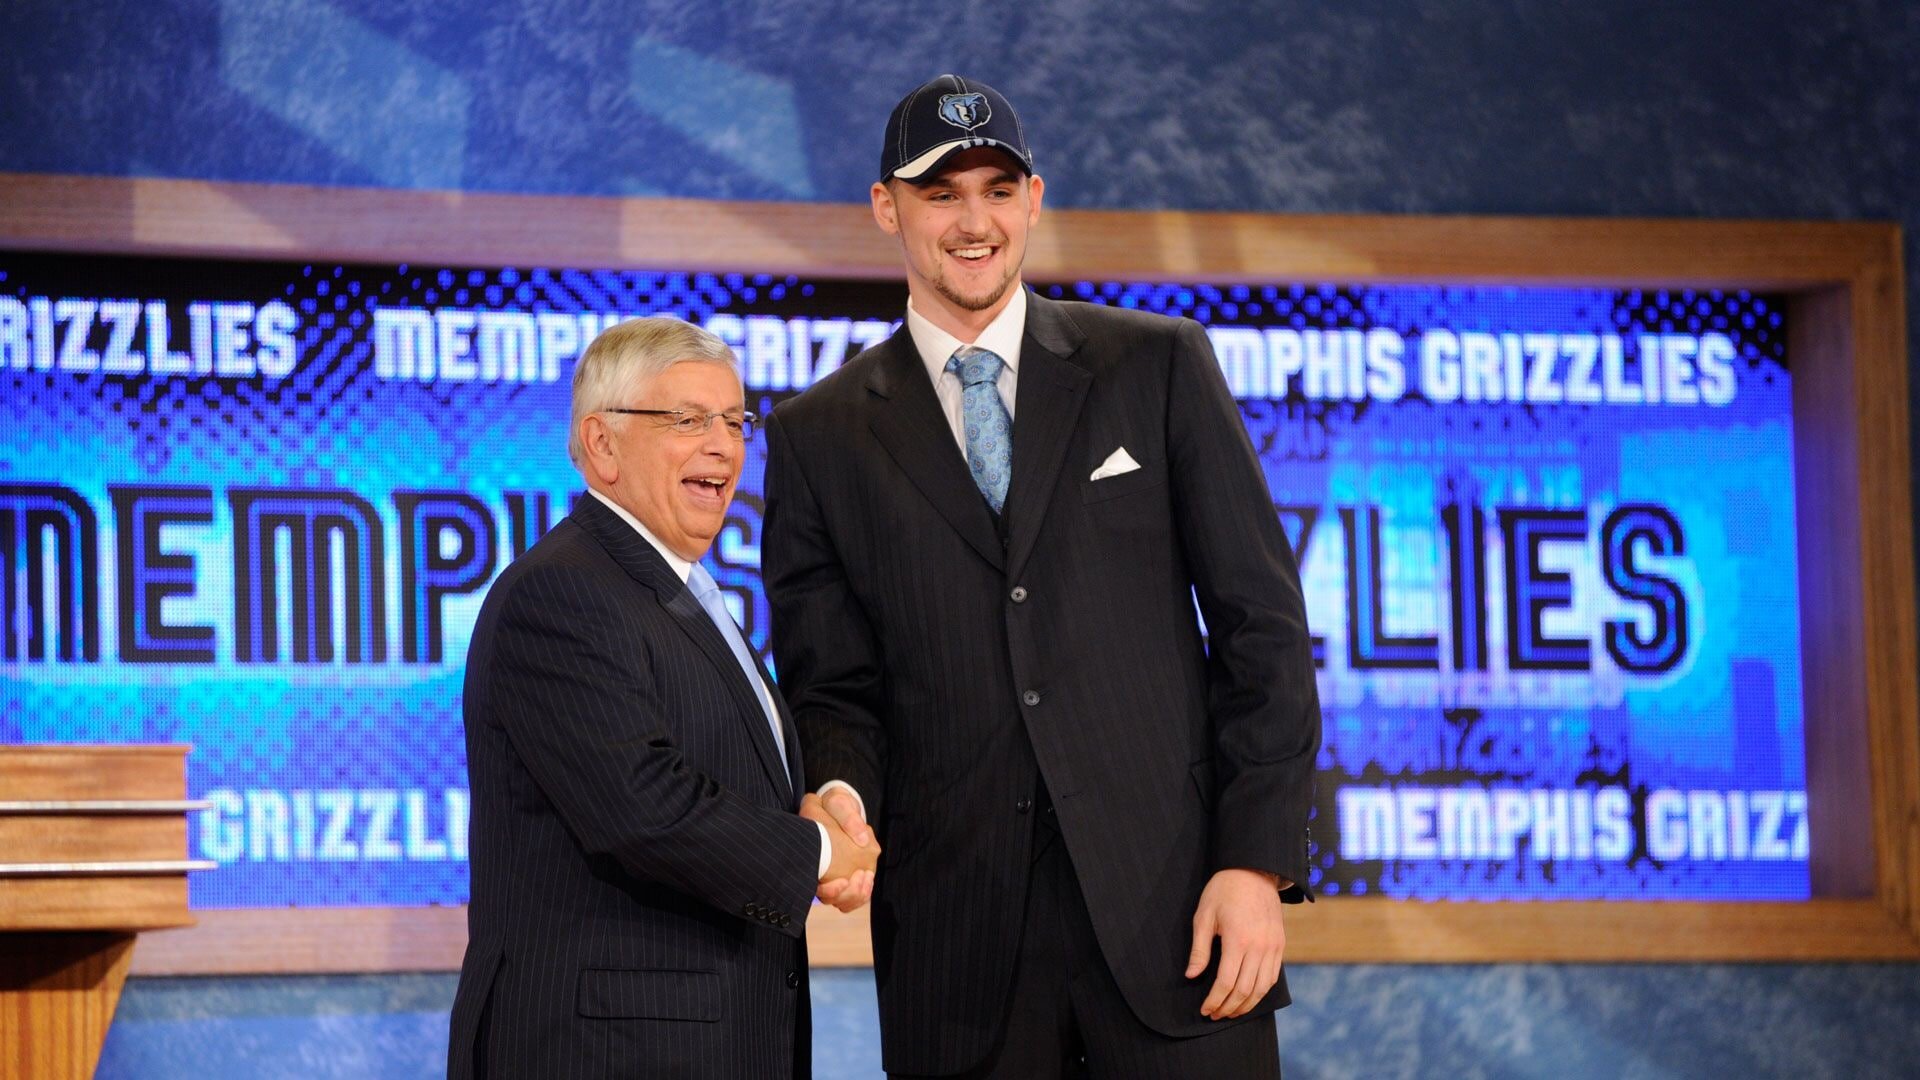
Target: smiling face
x,y
678,486
964,234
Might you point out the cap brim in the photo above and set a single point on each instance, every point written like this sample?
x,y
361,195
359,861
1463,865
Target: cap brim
x,y
922,168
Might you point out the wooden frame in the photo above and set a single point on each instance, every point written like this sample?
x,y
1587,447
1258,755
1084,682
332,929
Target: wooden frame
x,y
1848,343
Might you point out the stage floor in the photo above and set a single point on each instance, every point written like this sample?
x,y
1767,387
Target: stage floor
x,y
1564,1022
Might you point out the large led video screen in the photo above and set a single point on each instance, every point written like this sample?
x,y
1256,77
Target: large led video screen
x,y
1547,538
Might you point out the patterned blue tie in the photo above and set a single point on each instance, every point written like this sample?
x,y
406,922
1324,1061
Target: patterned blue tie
x,y
989,428
707,591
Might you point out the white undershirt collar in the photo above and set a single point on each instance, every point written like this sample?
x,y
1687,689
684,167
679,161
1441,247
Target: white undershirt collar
x,y
1001,337
677,564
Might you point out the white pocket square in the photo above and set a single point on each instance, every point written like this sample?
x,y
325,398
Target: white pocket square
x,y
1118,463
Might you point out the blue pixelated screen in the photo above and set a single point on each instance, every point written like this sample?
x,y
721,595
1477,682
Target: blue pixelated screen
x,y
1547,540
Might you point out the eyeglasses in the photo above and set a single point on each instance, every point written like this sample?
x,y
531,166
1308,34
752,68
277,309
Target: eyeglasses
x,y
694,422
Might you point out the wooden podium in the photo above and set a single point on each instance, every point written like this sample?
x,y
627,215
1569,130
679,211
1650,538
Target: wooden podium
x,y
93,844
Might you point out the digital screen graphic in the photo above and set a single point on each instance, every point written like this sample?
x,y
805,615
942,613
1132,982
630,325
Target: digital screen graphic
x,y
1547,539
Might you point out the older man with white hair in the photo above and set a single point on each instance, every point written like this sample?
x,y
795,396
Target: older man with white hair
x,y
642,861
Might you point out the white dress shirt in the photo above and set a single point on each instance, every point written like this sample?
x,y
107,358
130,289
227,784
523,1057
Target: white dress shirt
x,y
1001,337
681,569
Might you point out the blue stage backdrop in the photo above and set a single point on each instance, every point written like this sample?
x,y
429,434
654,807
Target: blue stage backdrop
x,y
1547,539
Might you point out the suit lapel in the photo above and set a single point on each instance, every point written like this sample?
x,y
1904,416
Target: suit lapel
x,y
789,734
693,619
641,562
910,424
1051,390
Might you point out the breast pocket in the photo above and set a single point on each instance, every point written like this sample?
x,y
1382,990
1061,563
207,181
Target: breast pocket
x,y
1149,475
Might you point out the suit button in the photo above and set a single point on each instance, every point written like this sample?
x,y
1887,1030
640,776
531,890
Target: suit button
x,y
1031,697
1023,806
1018,595
793,980
786,919
753,911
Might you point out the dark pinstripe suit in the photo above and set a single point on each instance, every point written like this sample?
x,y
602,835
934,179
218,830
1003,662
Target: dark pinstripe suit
x,y
640,882
944,672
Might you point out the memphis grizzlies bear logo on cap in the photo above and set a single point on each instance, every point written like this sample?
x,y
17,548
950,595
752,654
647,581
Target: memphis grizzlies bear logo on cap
x,y
949,115
966,111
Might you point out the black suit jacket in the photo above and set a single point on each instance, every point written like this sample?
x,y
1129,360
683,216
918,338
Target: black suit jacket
x,y
944,664
640,881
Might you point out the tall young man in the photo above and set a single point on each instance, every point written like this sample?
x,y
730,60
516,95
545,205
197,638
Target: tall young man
x,y
984,541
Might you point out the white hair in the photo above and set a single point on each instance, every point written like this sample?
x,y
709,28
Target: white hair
x,y
628,355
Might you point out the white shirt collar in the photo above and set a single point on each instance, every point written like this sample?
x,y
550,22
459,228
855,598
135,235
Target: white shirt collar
x,y
677,564
1001,337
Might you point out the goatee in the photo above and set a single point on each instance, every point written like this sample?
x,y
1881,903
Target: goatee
x,y
980,302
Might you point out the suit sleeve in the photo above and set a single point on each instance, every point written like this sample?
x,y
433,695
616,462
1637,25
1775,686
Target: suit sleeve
x,y
587,724
1260,677
824,648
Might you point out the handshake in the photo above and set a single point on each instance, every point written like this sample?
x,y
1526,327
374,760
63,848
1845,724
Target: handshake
x,y
848,882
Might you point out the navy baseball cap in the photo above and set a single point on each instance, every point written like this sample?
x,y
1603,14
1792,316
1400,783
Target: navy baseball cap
x,y
944,117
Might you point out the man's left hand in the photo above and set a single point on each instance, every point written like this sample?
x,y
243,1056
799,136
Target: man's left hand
x,y
1242,908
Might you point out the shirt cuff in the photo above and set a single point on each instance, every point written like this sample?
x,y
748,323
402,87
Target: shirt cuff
x,y
826,852
848,788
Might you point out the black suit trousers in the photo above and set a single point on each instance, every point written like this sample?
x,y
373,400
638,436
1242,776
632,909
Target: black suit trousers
x,y
1066,1018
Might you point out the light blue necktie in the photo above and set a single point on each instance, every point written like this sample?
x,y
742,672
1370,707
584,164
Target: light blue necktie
x,y
707,591
988,427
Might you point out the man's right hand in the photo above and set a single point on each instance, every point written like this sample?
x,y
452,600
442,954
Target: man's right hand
x,y
844,805
848,883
